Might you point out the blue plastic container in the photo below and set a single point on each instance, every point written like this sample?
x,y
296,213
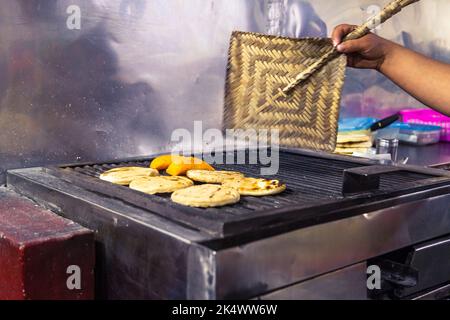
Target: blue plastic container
x,y
417,134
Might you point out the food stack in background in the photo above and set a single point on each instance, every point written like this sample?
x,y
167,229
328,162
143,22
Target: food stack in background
x,y
353,142
354,136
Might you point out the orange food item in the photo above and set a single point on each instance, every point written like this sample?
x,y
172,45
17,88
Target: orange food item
x,y
181,165
163,162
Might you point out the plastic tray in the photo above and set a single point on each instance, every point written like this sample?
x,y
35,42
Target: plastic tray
x,y
418,134
428,117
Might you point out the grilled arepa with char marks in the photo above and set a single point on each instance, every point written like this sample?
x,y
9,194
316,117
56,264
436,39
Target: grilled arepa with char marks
x,y
161,184
254,186
207,176
206,196
124,175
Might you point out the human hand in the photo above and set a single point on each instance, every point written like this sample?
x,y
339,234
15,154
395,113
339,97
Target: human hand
x,y
368,52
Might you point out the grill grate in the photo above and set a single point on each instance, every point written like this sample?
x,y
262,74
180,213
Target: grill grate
x,y
312,182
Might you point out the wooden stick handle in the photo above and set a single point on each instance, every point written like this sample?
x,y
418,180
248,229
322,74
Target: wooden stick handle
x,y
388,12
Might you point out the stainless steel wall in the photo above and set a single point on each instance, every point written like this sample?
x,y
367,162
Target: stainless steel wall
x,y
137,69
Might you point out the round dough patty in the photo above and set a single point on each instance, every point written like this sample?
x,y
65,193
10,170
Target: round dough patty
x,y
124,175
161,184
255,187
206,195
212,176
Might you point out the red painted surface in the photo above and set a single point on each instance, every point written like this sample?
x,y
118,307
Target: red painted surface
x,y
36,248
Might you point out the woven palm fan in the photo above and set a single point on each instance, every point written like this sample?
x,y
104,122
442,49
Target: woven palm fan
x,y
263,88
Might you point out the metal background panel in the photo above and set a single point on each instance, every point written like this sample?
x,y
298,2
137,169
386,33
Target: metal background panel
x,y
137,69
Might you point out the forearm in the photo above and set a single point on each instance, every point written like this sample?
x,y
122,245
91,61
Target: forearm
x,y
425,79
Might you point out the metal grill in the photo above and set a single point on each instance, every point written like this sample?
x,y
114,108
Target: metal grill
x,y
314,187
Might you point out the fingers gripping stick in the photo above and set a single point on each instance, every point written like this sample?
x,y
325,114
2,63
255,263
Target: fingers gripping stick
x,y
389,11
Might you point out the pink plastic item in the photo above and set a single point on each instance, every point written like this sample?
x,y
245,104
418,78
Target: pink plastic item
x,y
430,117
